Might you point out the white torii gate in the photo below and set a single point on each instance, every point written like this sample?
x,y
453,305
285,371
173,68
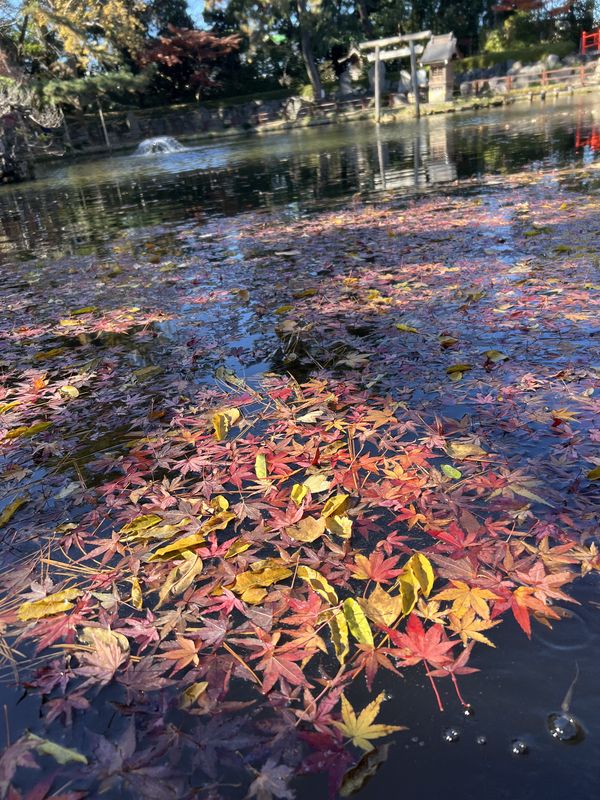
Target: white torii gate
x,y
381,54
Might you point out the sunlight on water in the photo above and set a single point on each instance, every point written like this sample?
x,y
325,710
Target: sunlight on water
x,y
76,206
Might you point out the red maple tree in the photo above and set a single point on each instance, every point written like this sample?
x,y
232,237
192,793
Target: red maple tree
x,y
187,58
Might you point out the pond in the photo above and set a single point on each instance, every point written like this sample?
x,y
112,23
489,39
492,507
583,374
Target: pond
x,y
76,206
109,234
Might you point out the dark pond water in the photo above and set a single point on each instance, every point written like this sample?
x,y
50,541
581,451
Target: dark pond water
x,y
75,206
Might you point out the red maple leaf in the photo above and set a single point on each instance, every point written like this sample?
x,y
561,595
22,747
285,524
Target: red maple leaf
x,y
430,646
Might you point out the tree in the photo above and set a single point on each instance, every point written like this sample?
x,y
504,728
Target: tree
x,y
187,59
306,20
77,36
159,14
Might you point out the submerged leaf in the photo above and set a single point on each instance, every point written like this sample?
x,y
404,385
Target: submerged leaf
x,y
12,508
62,755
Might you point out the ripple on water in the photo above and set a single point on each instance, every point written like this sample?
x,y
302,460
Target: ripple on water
x,y
573,633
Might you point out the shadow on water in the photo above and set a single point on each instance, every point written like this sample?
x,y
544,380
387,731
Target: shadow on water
x,y
75,207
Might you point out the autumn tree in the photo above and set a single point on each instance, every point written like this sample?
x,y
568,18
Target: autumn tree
x,y
75,36
187,59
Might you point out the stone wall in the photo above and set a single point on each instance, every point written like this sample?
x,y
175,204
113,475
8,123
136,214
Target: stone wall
x,y
126,129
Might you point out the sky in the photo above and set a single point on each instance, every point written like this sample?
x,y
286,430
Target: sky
x,y
196,7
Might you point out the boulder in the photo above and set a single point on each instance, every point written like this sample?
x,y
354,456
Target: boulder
x,y
552,61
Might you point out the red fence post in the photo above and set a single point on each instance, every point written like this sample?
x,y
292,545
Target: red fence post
x,y
582,74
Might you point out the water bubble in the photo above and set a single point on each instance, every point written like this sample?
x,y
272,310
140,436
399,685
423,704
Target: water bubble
x,y
481,740
564,728
451,735
469,711
414,739
519,748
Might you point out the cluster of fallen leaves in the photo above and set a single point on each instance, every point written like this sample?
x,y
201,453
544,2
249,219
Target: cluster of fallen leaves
x,y
231,569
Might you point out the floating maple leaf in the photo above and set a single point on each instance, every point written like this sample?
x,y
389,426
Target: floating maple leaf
x,y
361,729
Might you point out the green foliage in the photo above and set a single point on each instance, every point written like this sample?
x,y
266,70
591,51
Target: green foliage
x,y
116,89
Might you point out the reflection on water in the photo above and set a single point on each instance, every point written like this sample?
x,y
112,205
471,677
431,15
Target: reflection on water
x,y
76,206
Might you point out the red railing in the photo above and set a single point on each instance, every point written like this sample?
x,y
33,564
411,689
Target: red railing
x,y
590,42
577,75
591,140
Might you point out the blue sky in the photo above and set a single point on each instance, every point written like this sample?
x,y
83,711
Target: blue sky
x,y
196,7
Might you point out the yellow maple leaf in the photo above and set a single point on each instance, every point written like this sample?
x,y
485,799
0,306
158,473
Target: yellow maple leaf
x,y
469,626
467,598
360,729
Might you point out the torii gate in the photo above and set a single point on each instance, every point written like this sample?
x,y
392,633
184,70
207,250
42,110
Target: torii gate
x,y
381,54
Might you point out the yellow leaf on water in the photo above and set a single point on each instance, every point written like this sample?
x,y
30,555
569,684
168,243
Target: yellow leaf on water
x,y
86,310
336,505
223,421
181,577
406,328
171,551
594,474
12,508
44,355
458,368
69,323
51,604
340,525
381,607
357,622
495,356
317,483
421,568
218,522
136,594
254,595
260,466
339,636
97,637
141,523
283,309
69,391
299,492
361,729
408,586
260,576
239,546
318,584
307,530
144,373
62,755
462,450
219,503
447,341
27,431
192,694
6,407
